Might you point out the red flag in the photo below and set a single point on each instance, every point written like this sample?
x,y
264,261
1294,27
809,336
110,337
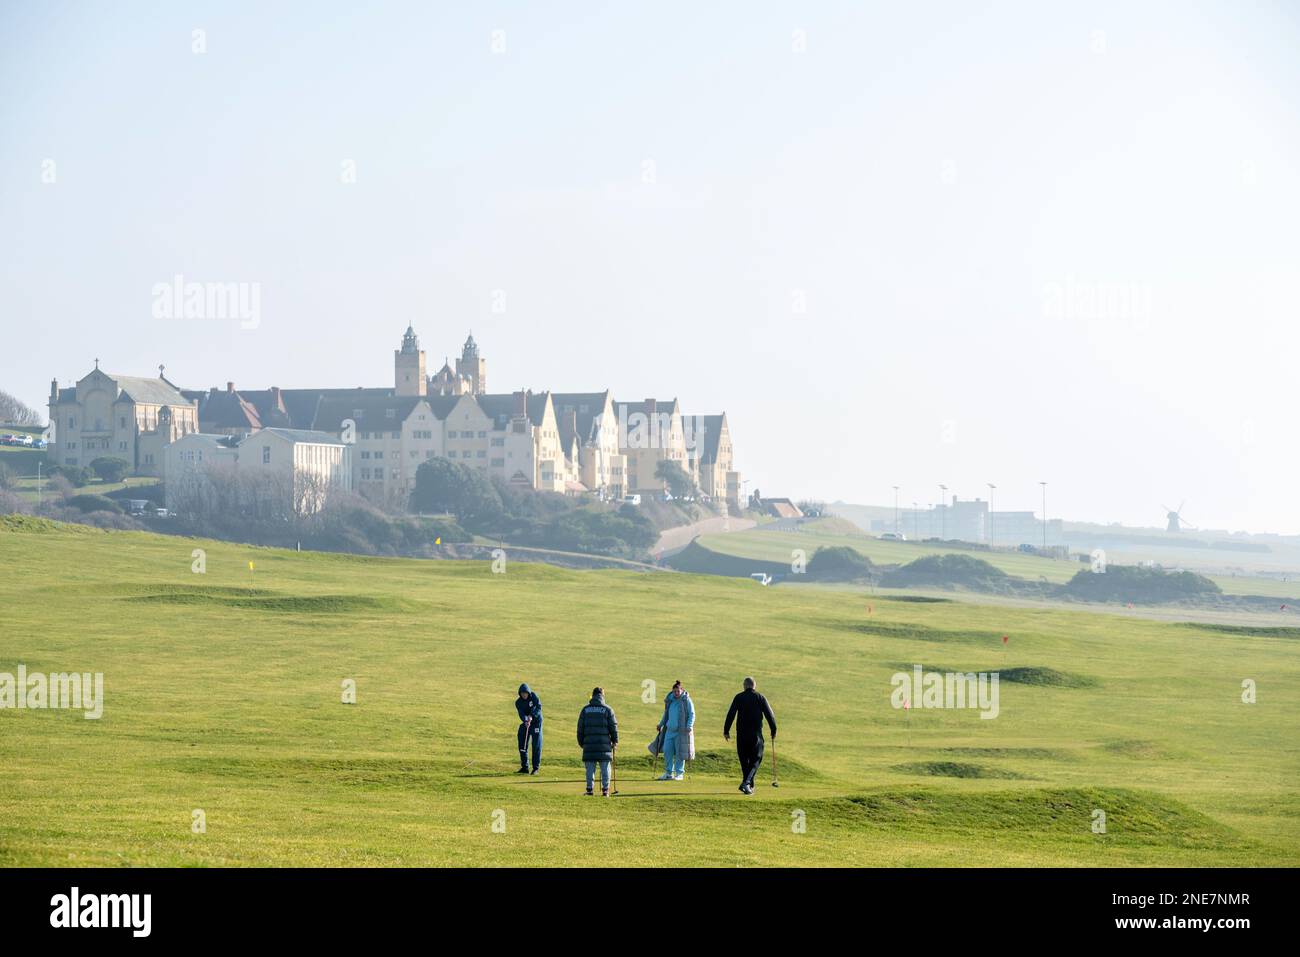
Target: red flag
x,y
1004,639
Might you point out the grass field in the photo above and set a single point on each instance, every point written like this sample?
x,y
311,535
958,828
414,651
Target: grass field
x,y
776,546
223,695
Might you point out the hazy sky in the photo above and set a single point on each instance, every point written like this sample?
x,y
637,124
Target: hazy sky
x,y
898,243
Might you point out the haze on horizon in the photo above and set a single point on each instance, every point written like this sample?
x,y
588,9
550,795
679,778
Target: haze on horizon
x,y
947,243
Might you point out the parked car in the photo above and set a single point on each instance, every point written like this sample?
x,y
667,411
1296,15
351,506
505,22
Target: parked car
x,y
893,537
137,506
763,578
162,513
631,499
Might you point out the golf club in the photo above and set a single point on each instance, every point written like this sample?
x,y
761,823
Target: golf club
x,y
613,771
523,752
775,783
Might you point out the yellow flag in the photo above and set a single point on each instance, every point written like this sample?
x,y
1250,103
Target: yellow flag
x,y
250,566
438,540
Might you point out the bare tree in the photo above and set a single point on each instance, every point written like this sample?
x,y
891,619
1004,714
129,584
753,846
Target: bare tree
x,y
13,411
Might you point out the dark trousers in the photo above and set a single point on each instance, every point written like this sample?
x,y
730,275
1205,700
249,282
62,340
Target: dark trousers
x,y
535,732
751,756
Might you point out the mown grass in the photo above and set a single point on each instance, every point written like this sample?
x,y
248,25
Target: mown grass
x,y
223,695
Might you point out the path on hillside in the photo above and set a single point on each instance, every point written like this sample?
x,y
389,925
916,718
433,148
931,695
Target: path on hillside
x,y
673,540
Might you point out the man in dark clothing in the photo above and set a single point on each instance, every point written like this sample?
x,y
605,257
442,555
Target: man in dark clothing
x,y
748,709
598,735
529,707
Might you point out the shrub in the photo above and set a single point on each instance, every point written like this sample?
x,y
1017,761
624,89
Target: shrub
x,y
93,503
110,469
840,562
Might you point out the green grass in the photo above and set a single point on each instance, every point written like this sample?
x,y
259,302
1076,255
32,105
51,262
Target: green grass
x,y
761,545
223,694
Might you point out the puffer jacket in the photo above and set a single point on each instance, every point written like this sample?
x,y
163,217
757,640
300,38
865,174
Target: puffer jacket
x,y
597,730
679,714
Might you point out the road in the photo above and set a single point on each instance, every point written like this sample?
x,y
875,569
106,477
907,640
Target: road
x,y
675,539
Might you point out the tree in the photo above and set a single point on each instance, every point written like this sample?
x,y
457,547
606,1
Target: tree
x,y
110,469
14,411
443,486
679,482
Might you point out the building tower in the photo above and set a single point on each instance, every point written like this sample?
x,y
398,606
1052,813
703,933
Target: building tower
x,y
472,367
408,366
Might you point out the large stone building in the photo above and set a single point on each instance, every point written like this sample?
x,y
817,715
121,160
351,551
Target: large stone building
x,y
568,442
118,416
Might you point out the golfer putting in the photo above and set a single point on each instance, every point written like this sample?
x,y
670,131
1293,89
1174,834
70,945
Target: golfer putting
x,y
748,711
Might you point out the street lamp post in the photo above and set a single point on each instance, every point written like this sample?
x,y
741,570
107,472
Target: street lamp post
x,y
895,509
992,487
943,514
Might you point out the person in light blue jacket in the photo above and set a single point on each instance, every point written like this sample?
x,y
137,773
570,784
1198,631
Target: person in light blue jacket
x,y
678,720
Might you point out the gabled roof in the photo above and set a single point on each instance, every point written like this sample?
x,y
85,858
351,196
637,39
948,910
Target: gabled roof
x,y
301,404
707,443
148,391
226,410
368,412
271,412
500,408
594,402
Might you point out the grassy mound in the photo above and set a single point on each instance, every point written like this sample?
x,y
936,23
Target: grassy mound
x,y
1046,678
947,571
955,769
1254,631
840,563
1144,586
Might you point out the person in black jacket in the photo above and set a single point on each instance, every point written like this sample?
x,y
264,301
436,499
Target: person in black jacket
x,y
748,709
598,735
529,707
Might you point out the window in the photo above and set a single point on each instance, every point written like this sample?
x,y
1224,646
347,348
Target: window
x,y
498,463
482,435
365,473
451,454
394,475
498,443
72,423
397,435
266,455
390,413
365,454
451,434
482,454
429,454
379,455
122,422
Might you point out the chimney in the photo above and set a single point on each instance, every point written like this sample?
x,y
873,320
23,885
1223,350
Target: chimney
x,y
230,387
572,416
650,406
275,398
521,403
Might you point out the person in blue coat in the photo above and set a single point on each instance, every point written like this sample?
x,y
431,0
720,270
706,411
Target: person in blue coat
x,y
529,707
678,720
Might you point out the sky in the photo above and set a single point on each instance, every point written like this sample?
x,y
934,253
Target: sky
x,y
899,244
